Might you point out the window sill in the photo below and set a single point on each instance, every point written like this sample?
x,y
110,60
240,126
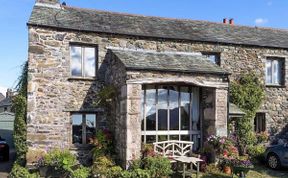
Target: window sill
x,y
81,147
275,86
82,78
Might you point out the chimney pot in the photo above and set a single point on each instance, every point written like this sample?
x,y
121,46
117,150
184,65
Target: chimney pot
x,y
225,20
231,21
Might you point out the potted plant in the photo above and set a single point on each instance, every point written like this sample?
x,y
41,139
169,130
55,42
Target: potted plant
x,y
226,164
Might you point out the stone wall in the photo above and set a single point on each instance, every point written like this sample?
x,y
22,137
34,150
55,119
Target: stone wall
x,y
53,94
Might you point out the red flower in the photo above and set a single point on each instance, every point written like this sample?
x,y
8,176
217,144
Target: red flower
x,y
225,153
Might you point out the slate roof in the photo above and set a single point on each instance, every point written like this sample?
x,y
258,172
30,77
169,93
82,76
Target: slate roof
x,y
235,111
144,26
167,61
6,102
1,96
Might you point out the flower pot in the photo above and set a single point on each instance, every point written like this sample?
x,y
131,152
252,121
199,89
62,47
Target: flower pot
x,y
227,170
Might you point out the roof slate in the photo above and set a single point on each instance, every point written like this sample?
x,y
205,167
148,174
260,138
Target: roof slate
x,y
167,61
235,110
144,26
2,97
6,102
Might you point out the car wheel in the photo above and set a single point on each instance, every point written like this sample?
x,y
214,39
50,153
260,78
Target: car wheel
x,y
273,161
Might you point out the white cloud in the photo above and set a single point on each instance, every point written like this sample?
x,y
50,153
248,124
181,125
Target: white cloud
x,y
260,21
3,90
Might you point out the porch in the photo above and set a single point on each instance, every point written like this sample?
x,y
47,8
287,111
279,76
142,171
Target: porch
x,y
165,96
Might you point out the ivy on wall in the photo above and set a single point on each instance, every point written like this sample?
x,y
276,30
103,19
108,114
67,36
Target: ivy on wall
x,y
247,93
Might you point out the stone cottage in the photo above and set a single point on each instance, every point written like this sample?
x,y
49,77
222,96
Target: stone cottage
x,y
171,75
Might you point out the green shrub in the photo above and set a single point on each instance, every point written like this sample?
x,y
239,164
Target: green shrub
x,y
20,128
82,172
158,166
102,165
21,172
256,152
139,173
114,172
135,164
62,160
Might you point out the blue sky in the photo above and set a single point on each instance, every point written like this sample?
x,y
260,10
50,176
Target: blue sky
x,y
15,13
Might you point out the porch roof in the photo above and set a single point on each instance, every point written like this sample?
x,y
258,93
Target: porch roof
x,y
167,61
235,111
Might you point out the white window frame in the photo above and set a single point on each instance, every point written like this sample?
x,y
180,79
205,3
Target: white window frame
x,y
272,61
193,134
83,61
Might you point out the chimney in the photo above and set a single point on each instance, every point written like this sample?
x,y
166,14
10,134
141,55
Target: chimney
x,y
9,93
225,20
50,2
231,21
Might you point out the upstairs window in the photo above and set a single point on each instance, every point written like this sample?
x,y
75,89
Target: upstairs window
x,y
274,71
213,57
83,128
83,61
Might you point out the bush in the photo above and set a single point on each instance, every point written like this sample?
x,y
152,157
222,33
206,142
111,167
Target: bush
x,y
262,137
103,144
20,128
256,152
61,160
114,172
21,172
139,173
82,172
158,166
102,165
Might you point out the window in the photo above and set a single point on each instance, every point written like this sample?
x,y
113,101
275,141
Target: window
x,y
213,57
260,122
83,128
170,112
83,61
274,71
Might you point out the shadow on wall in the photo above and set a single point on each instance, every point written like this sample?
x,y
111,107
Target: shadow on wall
x,y
89,88
8,136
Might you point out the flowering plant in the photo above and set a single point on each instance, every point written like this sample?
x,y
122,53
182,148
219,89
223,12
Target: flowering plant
x,y
242,163
224,146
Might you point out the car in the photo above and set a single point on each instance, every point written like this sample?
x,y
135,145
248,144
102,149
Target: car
x,y
4,149
276,156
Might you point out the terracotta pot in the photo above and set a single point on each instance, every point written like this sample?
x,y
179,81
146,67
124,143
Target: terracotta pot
x,y
227,170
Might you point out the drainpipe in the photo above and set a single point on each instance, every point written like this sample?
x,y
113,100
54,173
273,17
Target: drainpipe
x,y
228,100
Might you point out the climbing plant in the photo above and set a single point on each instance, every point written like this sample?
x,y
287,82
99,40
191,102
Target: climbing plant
x,y
22,82
105,96
19,105
247,93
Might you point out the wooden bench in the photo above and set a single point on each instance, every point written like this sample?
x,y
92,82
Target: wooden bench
x,y
173,148
178,151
